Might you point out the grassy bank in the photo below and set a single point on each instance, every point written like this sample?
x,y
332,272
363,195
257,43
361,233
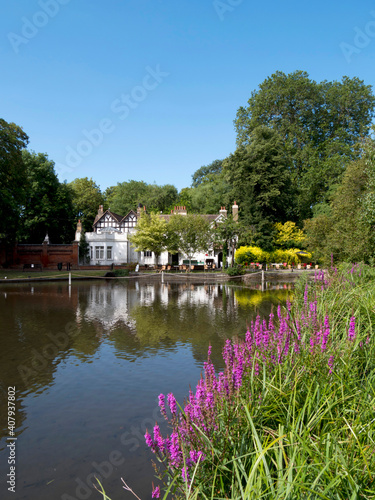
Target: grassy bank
x,y
292,416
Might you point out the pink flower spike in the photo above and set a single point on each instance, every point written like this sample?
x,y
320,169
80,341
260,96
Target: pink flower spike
x,y
156,492
351,333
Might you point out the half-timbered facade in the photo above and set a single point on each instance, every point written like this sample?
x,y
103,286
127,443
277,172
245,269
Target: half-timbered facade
x,y
109,241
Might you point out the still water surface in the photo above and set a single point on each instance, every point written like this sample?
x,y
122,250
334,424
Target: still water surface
x,y
88,365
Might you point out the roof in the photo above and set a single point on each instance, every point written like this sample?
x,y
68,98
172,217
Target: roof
x,y
119,218
208,217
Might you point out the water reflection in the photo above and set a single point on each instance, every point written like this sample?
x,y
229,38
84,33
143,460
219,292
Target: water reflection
x,y
89,360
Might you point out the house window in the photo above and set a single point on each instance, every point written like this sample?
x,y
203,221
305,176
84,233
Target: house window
x,y
109,253
91,253
147,253
99,253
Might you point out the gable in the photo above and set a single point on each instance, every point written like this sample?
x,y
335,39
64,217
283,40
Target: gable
x,y
129,221
107,222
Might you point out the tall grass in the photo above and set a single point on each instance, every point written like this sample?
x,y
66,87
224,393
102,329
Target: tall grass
x,y
292,416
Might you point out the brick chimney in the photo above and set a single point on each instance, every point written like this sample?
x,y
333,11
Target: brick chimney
x,y
180,210
78,231
139,210
223,212
235,211
99,214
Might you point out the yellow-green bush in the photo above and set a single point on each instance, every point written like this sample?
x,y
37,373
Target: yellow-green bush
x,y
248,254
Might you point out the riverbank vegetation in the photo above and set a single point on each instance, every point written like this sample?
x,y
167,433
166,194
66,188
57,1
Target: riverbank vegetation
x,y
292,414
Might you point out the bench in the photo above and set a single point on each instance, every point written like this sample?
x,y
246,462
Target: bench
x,y
32,267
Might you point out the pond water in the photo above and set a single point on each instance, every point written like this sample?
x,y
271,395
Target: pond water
x,y
88,363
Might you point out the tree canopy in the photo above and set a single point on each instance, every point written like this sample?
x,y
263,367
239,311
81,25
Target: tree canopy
x,y
189,234
151,234
127,195
261,184
48,207
347,230
319,123
86,197
13,181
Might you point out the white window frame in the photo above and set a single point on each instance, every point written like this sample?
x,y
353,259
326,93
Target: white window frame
x,y
99,253
147,253
109,253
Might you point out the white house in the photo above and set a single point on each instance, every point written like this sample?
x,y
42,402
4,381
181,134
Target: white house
x,y
109,243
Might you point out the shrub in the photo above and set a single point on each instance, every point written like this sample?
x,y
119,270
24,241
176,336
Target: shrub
x,y
121,272
249,254
235,270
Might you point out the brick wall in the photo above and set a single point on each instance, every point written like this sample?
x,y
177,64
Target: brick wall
x,y
47,255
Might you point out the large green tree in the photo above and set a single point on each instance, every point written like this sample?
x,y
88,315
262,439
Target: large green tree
x,y
127,195
151,234
347,229
48,207
259,174
210,189
86,199
13,179
319,123
189,234
207,173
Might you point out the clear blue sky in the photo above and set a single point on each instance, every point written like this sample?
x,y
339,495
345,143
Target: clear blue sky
x,y
148,89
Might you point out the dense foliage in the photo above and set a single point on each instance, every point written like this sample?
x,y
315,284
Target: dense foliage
x,y
319,124
12,178
86,198
345,228
48,207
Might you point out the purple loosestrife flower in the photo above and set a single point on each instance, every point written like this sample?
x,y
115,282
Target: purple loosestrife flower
x,y
185,474
266,336
158,440
150,443
279,314
156,492
298,328
196,455
271,326
174,450
351,333
248,339
237,374
306,295
257,332
172,403
162,405
209,400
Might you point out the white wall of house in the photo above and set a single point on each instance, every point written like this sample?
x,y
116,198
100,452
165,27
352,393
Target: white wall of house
x,y
111,248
